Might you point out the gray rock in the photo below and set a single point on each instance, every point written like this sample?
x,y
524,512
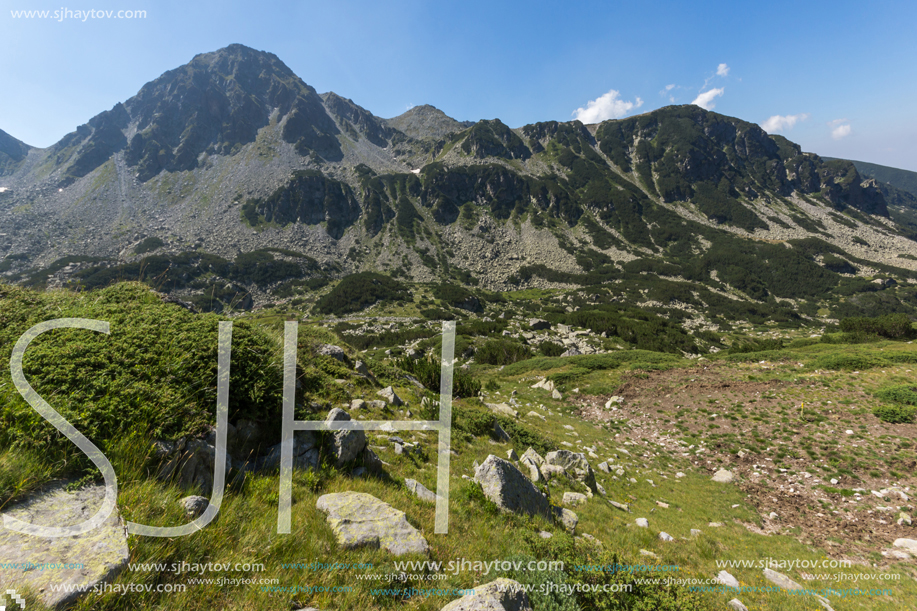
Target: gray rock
x,y
359,520
696,533
335,352
603,467
534,456
545,534
305,453
908,544
567,518
502,409
621,506
194,505
361,368
537,324
551,471
506,486
500,434
190,464
499,595
571,351
102,552
574,499
357,404
726,579
511,455
420,491
555,394
346,445
575,465
736,605
664,536
723,476
781,580
642,523
648,554
388,393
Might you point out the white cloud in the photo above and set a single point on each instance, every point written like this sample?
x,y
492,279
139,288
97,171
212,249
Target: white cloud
x,y
722,70
778,123
607,106
705,100
840,131
670,87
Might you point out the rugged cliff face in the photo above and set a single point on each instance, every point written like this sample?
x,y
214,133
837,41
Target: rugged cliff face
x,y
233,154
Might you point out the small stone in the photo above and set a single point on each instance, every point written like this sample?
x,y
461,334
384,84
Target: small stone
x,y
194,505
574,499
663,505
388,393
555,394
418,490
908,544
501,594
723,476
664,536
904,519
715,524
545,534
736,605
511,454
642,523
648,554
357,404
726,579
335,352
695,532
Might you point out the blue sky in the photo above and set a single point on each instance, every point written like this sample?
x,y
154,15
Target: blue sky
x,y
838,76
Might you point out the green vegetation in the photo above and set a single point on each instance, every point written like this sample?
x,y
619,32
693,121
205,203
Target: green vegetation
x,y
358,291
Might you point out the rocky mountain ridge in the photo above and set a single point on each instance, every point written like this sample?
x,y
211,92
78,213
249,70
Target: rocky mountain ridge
x,y
233,155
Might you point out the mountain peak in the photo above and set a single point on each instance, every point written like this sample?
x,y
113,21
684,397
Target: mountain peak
x,y
12,152
426,121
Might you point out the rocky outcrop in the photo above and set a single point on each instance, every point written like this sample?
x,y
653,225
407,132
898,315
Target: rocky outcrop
x,y
362,520
499,595
576,466
100,554
346,445
509,489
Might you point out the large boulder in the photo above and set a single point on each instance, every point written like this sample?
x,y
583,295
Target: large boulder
x,y
345,445
189,463
101,553
499,595
392,398
359,520
335,352
576,466
420,491
512,491
305,453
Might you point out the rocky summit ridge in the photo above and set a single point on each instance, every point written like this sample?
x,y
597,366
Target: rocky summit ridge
x,y
232,162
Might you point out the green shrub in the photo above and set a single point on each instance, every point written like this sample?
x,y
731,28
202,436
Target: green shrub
x,y
891,326
155,373
905,394
428,371
549,348
895,414
359,291
501,352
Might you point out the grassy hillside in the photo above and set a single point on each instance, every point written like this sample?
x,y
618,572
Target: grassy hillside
x,y
791,405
